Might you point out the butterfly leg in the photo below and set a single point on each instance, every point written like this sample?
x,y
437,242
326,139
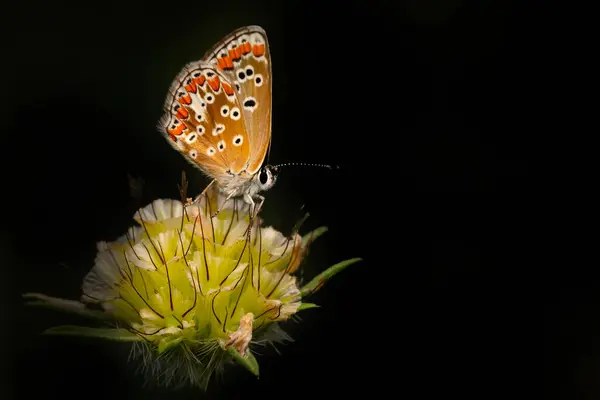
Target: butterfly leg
x,y
261,201
255,209
197,199
222,204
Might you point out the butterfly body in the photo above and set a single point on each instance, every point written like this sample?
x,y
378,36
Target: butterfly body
x,y
249,186
217,114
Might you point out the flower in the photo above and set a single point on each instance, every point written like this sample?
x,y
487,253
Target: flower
x,y
197,288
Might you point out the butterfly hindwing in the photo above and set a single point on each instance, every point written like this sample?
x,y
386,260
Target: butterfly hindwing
x,y
244,59
203,119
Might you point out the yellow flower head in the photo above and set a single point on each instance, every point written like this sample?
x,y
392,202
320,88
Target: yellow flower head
x,y
189,285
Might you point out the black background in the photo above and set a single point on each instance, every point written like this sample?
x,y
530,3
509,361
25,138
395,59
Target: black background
x,y
422,104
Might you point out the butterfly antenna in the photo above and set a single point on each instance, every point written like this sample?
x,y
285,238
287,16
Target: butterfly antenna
x,y
294,164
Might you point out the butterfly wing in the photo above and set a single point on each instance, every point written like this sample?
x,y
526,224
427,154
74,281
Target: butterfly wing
x,y
244,59
203,119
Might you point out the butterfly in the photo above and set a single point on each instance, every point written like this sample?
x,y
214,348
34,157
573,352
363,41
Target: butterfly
x,y
217,114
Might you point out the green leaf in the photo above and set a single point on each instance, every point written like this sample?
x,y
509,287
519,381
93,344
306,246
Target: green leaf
x,y
306,306
316,283
312,236
248,362
121,335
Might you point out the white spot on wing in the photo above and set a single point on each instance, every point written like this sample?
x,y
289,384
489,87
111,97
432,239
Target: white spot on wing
x,y
197,104
238,140
232,45
250,103
211,151
240,74
218,129
257,38
191,138
225,111
235,114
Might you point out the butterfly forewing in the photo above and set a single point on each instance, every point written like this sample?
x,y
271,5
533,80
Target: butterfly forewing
x,y
243,58
204,120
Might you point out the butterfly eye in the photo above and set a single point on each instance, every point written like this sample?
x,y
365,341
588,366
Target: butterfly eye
x,y
267,177
235,113
258,80
225,111
264,177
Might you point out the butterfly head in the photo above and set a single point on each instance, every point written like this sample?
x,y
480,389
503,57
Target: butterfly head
x,y
266,177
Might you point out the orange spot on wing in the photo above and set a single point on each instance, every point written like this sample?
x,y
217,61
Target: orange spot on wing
x,y
200,80
172,137
214,83
191,88
177,131
182,113
258,50
235,53
187,99
228,89
246,48
224,63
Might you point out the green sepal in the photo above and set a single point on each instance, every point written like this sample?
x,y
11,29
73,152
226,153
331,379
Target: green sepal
x,y
66,306
167,344
306,306
249,363
118,334
324,276
312,236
